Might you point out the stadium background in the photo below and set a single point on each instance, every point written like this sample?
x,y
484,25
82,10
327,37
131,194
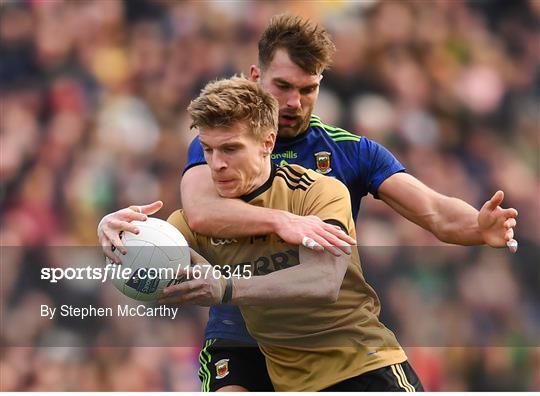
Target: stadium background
x,y
93,98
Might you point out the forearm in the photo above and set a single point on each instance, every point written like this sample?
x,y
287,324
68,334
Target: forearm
x,y
451,220
316,280
209,214
456,222
278,288
230,218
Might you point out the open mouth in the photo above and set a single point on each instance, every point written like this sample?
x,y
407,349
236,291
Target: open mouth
x,y
288,119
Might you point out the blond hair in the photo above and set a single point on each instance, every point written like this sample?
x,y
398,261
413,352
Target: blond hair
x,y
223,103
309,45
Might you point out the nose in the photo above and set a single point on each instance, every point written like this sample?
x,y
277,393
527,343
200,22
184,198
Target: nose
x,y
217,162
293,100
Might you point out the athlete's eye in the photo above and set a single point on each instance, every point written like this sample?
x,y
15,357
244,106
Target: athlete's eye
x,y
308,90
207,150
229,150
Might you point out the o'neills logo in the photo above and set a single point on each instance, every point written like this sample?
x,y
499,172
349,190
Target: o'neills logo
x,y
222,368
289,154
322,161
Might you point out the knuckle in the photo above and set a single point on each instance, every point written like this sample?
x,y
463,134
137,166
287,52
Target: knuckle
x,y
180,288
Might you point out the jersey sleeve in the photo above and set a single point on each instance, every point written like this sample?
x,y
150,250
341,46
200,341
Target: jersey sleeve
x,y
328,199
195,154
178,219
377,164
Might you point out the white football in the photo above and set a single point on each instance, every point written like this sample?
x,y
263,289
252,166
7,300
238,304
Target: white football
x,y
154,256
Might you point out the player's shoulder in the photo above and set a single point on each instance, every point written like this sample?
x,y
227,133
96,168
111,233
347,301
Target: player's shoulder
x,y
345,142
297,177
333,134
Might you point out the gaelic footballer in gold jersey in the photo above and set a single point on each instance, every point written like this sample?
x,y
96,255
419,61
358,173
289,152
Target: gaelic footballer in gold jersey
x,y
313,315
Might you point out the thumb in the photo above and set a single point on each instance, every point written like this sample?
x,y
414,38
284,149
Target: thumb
x,y
151,208
495,200
196,258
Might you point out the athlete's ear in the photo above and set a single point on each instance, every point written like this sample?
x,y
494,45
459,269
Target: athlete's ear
x,y
254,73
269,142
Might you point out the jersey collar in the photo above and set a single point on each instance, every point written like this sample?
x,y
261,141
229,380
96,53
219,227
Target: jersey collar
x,y
267,184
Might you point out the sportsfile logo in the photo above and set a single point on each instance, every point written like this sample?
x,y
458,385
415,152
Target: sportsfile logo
x,y
143,279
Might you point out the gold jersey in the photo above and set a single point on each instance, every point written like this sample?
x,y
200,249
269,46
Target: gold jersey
x,y
307,348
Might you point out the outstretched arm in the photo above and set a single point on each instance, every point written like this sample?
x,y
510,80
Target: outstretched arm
x,y
450,219
316,280
210,214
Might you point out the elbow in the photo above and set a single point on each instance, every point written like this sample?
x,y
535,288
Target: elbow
x,y
328,294
330,281
332,295
333,279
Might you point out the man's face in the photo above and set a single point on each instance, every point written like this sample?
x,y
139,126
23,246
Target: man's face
x,y
295,89
237,159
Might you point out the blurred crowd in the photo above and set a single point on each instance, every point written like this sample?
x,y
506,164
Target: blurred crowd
x,y
93,97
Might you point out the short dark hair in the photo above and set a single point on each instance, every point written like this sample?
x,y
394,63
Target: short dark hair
x,y
223,103
309,45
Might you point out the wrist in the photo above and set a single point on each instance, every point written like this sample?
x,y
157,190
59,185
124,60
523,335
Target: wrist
x,y
239,291
279,219
480,238
98,230
227,290
478,234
